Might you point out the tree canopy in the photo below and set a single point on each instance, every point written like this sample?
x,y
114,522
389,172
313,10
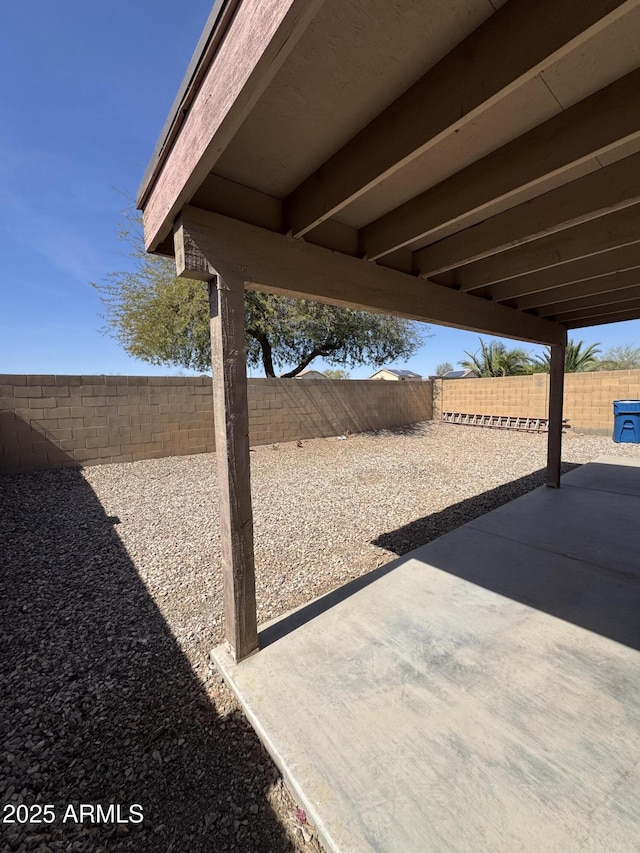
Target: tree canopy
x,y
162,319
576,359
495,359
443,367
337,373
621,357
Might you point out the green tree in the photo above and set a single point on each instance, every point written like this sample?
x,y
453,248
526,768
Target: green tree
x,y
576,359
162,319
337,373
494,359
621,357
444,367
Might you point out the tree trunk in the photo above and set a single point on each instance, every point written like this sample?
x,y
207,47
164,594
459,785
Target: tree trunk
x,y
267,353
324,350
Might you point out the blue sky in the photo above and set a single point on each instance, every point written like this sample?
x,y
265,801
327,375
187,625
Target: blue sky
x,y
88,87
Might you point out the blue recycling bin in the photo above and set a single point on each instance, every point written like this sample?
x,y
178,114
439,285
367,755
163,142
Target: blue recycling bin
x,y
626,421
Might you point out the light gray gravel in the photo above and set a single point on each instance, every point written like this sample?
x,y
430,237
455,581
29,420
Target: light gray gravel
x,y
111,601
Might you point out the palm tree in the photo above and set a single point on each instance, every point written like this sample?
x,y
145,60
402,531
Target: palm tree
x,y
494,359
576,359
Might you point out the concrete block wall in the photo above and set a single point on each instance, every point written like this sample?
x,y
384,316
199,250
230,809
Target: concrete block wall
x,y
56,421
506,395
284,410
588,397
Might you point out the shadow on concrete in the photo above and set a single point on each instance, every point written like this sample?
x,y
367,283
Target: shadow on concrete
x,y
584,593
405,539
98,704
279,628
426,529
577,582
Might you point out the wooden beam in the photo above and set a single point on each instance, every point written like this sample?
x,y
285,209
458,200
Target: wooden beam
x,y
630,306
282,264
512,46
588,128
606,263
596,194
615,283
600,300
231,418
618,229
556,398
260,38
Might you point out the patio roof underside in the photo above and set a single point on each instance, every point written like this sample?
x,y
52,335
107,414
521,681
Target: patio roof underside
x,y
465,162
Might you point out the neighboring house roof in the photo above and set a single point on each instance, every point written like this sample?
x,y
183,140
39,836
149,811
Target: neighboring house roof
x,y
399,374
460,374
311,374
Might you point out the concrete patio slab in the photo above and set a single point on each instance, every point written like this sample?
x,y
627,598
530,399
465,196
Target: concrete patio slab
x,y
479,694
597,525
605,473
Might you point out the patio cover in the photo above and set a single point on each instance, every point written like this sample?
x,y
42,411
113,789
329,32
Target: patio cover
x,y
472,163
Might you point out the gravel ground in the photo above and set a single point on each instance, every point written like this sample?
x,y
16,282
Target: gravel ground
x,y
111,601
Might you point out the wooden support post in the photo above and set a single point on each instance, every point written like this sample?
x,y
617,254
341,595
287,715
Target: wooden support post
x,y
226,303
231,415
556,397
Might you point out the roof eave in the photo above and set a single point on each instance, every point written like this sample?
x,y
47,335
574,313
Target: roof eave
x,y
212,34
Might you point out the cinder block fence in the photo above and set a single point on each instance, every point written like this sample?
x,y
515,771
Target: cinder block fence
x,y
56,421
588,397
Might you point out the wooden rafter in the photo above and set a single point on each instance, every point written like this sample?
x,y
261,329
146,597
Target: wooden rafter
x,y
600,319
581,132
615,283
601,311
596,194
601,300
591,238
606,263
512,46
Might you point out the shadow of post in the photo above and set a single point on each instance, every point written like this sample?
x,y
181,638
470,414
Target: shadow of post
x,y
405,539
26,448
98,704
426,529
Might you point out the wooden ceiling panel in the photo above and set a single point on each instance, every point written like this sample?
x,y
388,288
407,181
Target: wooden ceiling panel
x,y
510,49
423,144
351,63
